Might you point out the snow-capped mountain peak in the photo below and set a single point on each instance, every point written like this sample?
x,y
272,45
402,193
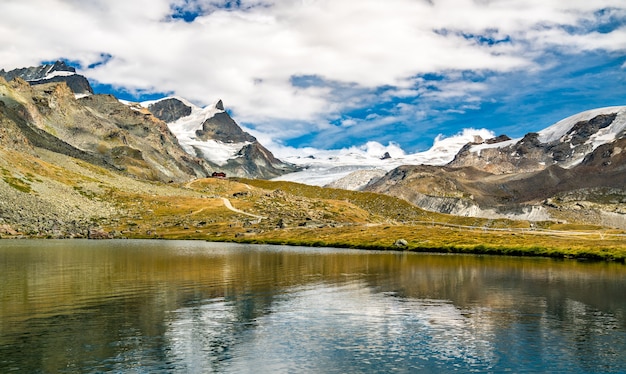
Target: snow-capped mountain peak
x,y
560,129
211,134
590,129
57,72
197,117
566,144
187,121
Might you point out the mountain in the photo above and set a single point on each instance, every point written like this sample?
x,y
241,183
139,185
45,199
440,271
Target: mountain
x,y
49,73
574,170
564,144
210,138
211,134
95,128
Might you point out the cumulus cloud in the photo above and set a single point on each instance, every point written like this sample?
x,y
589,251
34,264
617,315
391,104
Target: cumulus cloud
x,y
287,68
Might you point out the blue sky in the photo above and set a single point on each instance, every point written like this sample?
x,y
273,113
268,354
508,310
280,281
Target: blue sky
x,y
332,74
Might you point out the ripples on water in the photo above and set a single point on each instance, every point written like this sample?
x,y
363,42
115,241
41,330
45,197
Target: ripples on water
x,y
150,306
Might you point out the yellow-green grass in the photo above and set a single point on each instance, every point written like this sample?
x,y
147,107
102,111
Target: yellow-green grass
x,y
174,217
426,236
347,219
389,207
447,240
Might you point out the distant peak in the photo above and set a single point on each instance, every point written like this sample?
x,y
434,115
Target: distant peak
x,y
219,105
62,66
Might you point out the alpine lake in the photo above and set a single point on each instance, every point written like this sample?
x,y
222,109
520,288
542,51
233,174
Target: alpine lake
x,y
155,306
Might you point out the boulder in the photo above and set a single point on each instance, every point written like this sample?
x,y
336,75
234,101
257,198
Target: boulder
x,y
401,243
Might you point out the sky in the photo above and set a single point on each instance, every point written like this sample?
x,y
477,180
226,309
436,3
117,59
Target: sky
x,y
331,74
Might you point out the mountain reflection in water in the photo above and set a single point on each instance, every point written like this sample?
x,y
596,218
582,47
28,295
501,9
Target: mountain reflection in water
x,y
179,306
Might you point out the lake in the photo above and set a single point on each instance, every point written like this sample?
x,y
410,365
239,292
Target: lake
x,y
130,306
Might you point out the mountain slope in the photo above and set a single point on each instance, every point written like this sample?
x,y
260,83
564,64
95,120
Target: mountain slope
x,y
51,195
207,134
95,128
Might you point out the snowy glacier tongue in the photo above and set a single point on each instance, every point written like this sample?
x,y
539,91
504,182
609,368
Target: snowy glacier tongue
x,y
185,131
212,150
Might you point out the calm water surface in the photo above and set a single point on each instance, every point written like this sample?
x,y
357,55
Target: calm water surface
x,y
196,307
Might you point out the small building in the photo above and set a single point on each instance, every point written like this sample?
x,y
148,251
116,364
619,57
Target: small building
x,y
218,174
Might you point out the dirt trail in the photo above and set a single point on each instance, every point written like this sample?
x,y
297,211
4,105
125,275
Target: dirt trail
x,y
228,205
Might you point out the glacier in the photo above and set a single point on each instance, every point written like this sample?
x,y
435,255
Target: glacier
x,y
325,167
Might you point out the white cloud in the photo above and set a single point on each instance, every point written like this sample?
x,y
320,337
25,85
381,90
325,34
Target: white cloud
x,y
248,56
457,89
591,41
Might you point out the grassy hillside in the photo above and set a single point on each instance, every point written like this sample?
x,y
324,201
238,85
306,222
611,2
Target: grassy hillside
x,y
49,195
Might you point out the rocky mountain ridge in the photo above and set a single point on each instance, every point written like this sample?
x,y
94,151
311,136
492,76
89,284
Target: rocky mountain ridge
x,y
50,73
230,149
566,144
574,170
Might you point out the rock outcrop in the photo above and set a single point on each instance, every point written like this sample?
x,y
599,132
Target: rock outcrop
x,y
221,127
169,110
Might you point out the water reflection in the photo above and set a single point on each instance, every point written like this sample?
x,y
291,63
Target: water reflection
x,y
361,330
152,306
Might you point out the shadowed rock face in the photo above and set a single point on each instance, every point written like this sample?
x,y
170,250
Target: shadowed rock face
x,y
497,139
582,131
11,136
254,160
223,128
46,74
610,157
169,110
